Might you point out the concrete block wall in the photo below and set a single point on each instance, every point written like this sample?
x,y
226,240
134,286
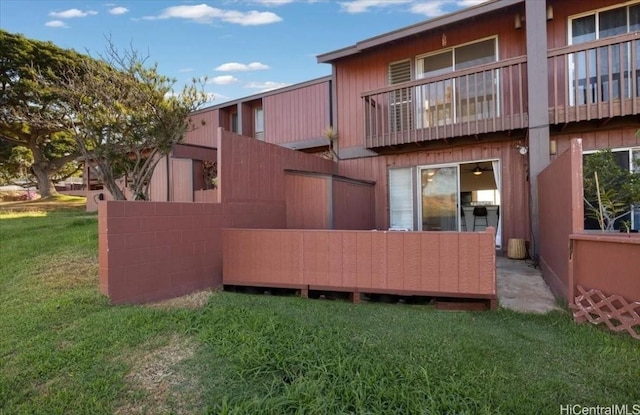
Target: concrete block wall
x,y
150,251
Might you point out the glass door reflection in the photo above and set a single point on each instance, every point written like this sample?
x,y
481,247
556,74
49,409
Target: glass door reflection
x,y
439,201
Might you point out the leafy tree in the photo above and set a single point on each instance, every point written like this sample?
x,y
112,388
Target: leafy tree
x,y
31,115
125,117
616,190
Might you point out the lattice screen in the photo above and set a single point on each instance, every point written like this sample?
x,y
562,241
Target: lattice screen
x,y
614,311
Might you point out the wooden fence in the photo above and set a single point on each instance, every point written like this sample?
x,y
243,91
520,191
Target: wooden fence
x,y
439,264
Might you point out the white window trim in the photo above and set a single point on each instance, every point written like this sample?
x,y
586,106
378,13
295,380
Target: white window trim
x,y
596,12
418,65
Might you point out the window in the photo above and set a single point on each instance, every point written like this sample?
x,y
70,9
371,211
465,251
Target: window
x,y
401,202
400,107
628,159
604,73
458,99
259,123
234,122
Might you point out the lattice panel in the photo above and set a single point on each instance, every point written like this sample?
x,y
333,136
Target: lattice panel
x,y
614,311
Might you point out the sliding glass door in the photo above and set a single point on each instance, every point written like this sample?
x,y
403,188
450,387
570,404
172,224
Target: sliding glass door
x,y
458,99
439,198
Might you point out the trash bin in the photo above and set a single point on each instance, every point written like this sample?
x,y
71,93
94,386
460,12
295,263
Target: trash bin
x,y
516,249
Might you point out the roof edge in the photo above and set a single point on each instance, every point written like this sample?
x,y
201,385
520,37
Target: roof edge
x,y
480,9
265,94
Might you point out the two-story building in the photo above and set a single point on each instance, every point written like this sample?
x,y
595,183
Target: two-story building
x,y
453,118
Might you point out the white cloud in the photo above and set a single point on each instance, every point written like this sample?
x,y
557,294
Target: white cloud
x,y
55,23
273,2
362,6
223,80
266,86
429,8
208,96
118,10
469,3
241,67
203,13
71,13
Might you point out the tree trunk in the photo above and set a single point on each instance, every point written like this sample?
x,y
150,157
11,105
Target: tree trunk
x,y
45,185
115,191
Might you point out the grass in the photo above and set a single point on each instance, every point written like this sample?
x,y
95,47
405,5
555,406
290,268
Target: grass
x,y
65,350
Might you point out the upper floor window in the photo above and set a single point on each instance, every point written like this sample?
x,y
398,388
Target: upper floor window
x,y
234,122
605,23
607,72
461,98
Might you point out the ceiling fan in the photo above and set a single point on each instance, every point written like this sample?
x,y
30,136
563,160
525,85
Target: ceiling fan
x,y
479,170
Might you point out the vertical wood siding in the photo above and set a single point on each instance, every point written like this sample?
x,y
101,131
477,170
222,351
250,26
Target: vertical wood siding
x,y
249,169
600,139
158,185
561,214
308,203
203,129
181,180
353,205
297,115
514,195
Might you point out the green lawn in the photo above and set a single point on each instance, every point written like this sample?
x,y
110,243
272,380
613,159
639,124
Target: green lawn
x,y
65,350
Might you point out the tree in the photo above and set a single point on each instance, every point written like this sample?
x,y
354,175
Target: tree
x,y
125,117
30,109
609,190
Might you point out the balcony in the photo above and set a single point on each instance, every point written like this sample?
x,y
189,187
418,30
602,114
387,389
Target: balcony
x,y
595,80
589,81
468,102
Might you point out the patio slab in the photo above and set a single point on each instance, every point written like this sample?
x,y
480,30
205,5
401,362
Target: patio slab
x,y
521,287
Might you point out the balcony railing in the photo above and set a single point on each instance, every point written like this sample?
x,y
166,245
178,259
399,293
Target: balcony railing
x,y
595,80
473,101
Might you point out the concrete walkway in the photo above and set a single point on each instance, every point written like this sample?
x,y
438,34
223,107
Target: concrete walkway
x,y
521,287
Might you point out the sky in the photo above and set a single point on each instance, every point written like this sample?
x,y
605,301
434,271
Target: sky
x,y
242,47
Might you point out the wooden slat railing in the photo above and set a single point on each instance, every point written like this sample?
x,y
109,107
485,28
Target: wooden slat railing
x,y
477,100
595,80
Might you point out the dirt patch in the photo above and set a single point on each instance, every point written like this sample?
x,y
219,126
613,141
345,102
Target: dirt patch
x,y
69,203
190,301
158,383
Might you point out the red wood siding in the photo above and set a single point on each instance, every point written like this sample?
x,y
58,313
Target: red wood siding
x,y
249,169
561,213
158,187
600,139
203,129
514,193
308,204
617,275
181,180
297,115
353,205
